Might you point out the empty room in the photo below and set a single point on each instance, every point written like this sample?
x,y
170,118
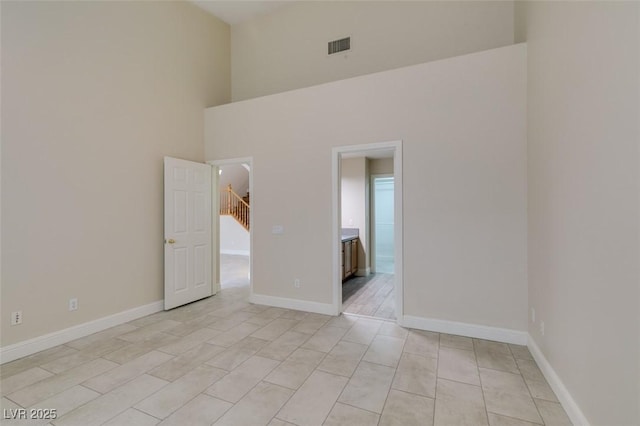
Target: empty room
x,y
320,212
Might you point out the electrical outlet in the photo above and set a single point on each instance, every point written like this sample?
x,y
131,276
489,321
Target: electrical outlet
x,y
542,327
16,318
533,314
73,304
296,283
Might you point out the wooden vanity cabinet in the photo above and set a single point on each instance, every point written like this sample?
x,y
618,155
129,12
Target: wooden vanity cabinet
x,y
349,258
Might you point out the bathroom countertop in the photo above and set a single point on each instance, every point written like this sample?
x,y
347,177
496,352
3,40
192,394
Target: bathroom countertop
x,y
350,234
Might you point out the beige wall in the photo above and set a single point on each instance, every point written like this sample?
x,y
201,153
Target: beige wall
x,y
94,94
381,166
464,185
287,49
583,146
355,204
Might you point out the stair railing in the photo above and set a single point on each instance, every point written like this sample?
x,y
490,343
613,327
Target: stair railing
x,y
232,204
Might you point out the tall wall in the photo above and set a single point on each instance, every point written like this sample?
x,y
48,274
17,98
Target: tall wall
x,y
464,174
94,94
287,48
583,175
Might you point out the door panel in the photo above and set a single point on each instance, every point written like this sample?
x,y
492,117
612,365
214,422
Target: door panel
x,y
188,238
180,268
199,257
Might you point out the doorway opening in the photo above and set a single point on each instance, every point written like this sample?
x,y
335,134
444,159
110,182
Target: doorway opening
x,y
382,188
368,223
233,211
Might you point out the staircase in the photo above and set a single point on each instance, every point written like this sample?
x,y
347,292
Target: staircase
x,y
234,205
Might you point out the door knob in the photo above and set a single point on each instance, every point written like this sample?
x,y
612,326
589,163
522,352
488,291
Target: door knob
x,y
171,241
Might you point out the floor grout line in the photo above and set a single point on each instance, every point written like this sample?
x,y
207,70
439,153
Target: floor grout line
x,y
484,399
233,301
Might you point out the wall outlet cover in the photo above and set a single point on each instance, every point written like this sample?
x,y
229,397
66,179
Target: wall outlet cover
x,y
16,318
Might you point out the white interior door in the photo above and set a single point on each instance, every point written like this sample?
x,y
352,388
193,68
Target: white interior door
x,y
188,259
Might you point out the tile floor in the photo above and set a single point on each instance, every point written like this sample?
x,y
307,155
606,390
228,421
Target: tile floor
x,y
371,296
234,270
224,361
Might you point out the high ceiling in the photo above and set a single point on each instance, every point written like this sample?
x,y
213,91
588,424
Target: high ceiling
x,y
233,12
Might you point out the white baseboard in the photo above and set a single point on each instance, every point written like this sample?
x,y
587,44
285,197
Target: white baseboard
x,y
497,334
40,343
568,403
297,304
363,272
369,317
235,252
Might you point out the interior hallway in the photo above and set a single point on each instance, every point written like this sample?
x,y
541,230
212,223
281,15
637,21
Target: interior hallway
x,y
225,361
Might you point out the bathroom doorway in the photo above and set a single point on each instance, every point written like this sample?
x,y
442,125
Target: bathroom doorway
x,y
368,204
369,291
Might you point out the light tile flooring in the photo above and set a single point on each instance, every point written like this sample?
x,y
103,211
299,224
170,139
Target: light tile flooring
x,y
371,296
224,361
234,270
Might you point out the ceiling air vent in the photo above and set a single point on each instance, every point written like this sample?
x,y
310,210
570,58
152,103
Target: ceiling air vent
x,y
341,45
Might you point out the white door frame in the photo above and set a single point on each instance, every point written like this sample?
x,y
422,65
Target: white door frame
x,y
336,174
372,217
215,197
